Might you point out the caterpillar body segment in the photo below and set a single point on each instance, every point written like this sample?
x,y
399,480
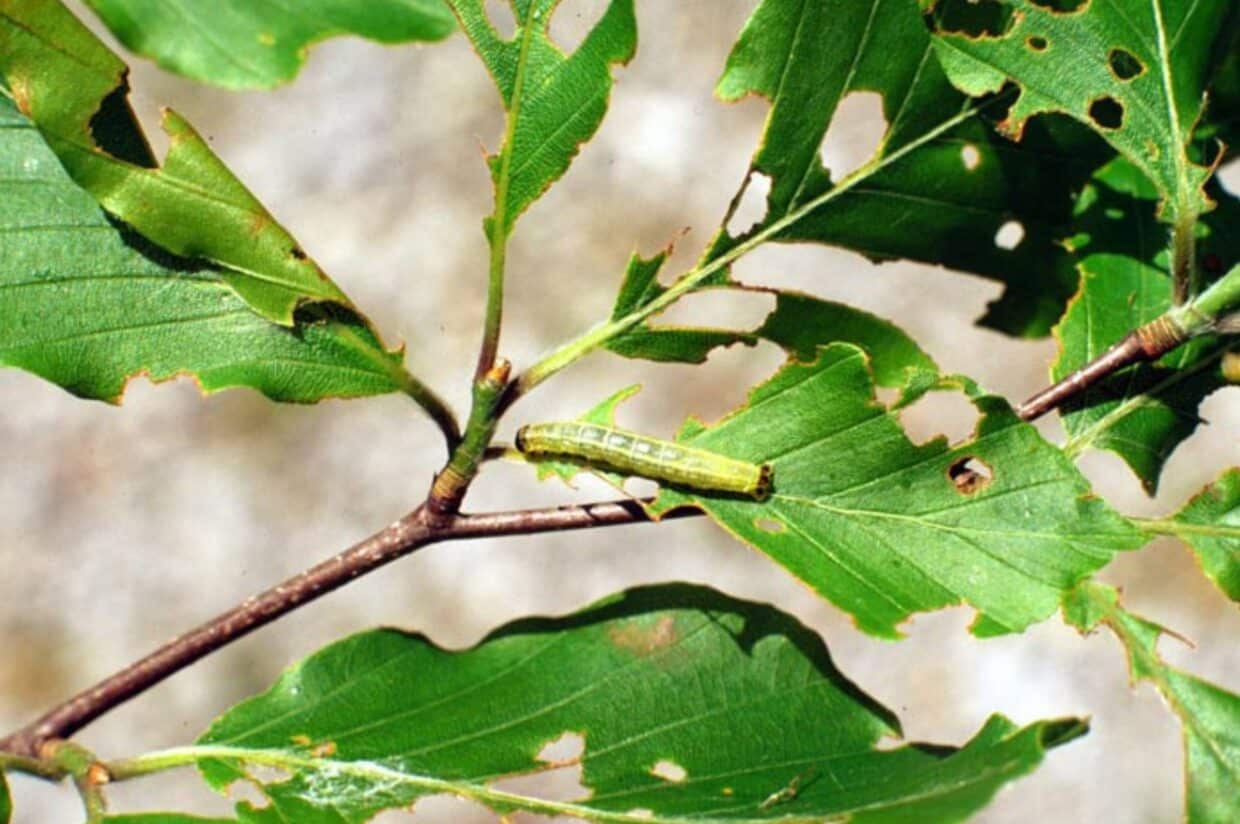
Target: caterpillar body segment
x,y
634,454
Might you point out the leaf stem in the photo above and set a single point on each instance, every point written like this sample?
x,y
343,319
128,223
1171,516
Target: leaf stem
x,y
499,225
1184,275
374,772
687,282
434,406
401,538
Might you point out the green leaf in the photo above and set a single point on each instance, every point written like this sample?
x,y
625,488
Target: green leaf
x,y
6,803
1209,714
74,89
664,344
801,324
1133,72
1142,413
941,184
1210,525
884,528
688,704
554,102
88,304
164,818
256,44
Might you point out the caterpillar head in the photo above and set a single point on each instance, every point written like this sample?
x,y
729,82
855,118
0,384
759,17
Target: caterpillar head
x,y
766,482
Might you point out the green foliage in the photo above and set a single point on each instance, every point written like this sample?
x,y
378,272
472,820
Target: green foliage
x,y
73,88
941,184
1210,525
164,818
1144,412
6,803
88,304
675,344
1137,75
801,324
251,44
554,102
691,705
1210,715
885,528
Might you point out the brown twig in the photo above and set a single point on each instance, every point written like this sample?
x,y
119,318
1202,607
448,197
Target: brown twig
x,y
1146,343
422,527
397,540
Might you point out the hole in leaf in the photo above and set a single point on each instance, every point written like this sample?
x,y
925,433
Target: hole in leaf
x,y
1107,112
394,817
970,475
770,525
718,308
855,134
1037,43
975,18
264,774
499,12
1064,6
246,792
1010,235
938,414
669,771
563,750
641,487
750,209
970,157
1124,64
447,807
574,20
555,784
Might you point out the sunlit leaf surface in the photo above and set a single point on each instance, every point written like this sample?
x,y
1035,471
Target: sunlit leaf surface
x,y
245,44
88,304
74,90
883,527
676,703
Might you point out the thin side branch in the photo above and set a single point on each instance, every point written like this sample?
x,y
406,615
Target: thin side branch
x,y
403,537
1146,343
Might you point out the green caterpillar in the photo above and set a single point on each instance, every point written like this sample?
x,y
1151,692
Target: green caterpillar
x,y
635,454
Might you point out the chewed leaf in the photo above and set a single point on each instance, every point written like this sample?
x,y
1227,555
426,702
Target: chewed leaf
x,y
1144,412
1210,525
74,90
1133,72
799,324
163,818
88,304
802,324
884,528
687,704
554,102
253,44
1209,714
604,414
940,185
676,344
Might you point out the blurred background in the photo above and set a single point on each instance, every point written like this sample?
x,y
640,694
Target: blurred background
x,y
123,526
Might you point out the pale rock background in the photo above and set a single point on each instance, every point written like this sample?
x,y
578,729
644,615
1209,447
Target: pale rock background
x,y
124,526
